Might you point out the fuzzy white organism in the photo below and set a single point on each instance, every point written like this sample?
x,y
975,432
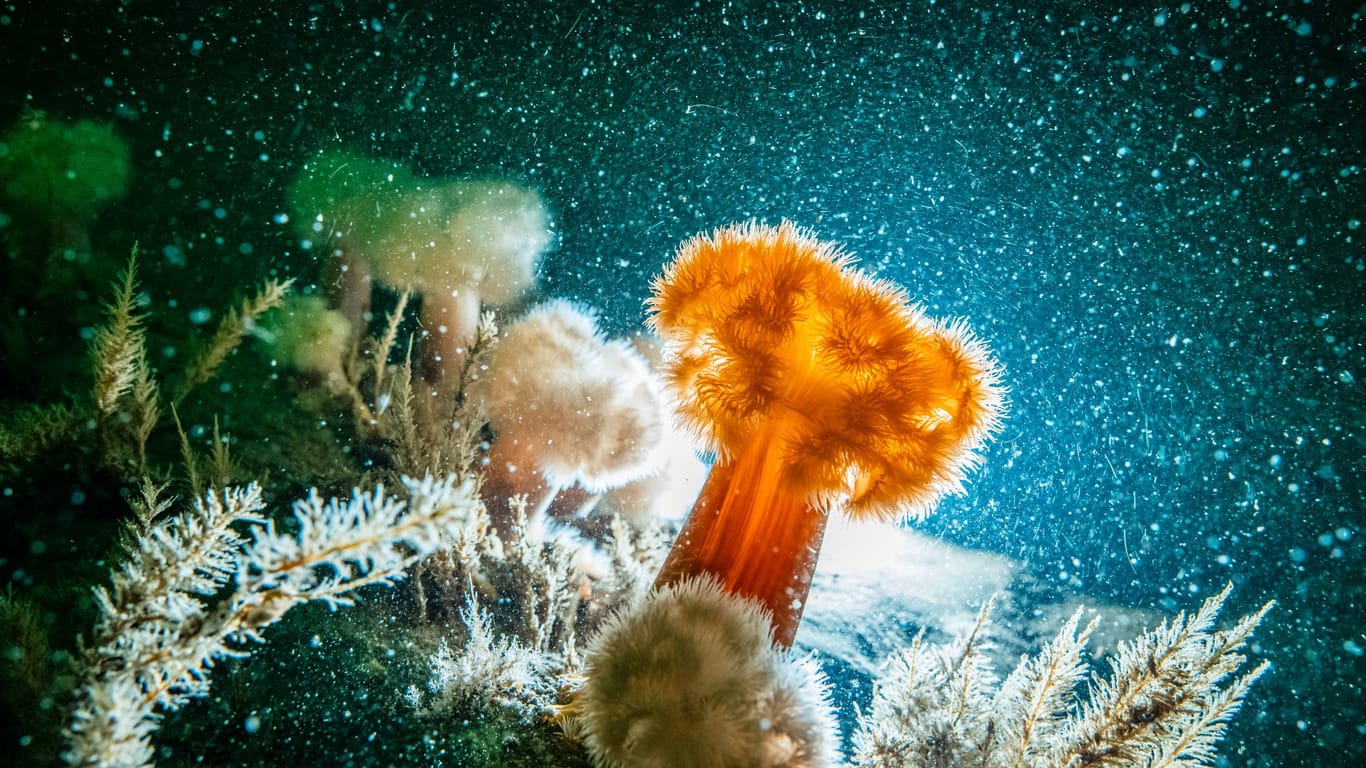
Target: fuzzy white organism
x,y
499,231
665,495
487,669
1167,701
691,679
570,406
484,236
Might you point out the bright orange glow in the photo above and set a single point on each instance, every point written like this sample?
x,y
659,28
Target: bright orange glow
x,y
751,532
818,388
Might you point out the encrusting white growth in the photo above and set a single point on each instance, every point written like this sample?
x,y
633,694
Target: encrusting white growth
x,y
487,668
160,628
690,679
569,406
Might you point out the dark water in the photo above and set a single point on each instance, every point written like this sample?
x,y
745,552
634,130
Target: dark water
x,y
1153,215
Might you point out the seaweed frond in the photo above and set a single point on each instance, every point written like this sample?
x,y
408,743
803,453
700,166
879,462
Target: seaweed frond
x,y
119,349
429,431
382,346
187,456
1164,693
222,469
126,393
35,428
1034,699
236,324
933,705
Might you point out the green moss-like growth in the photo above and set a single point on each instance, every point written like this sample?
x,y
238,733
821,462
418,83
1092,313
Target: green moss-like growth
x,y
337,193
31,683
63,169
54,178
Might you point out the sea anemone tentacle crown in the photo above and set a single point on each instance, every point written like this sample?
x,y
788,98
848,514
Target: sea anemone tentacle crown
x,y
818,388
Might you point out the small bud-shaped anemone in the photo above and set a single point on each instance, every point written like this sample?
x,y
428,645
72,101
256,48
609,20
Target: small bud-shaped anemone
x,y
308,337
57,176
568,406
690,679
818,388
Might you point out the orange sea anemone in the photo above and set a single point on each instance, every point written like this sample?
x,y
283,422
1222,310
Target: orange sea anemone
x,y
818,388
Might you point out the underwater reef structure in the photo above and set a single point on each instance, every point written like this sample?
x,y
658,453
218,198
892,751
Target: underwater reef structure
x,y
566,644
818,388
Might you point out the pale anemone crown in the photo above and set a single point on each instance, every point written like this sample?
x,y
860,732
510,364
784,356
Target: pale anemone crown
x,y
498,230
481,236
411,249
586,408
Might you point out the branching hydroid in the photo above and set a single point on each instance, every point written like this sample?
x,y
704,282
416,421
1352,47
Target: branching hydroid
x,y
236,324
161,629
1168,698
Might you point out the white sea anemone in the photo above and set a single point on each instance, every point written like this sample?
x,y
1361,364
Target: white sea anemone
x,y
691,679
569,407
461,246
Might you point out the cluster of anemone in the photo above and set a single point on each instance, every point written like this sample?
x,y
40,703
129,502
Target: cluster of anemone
x,y
818,389
573,414
461,245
